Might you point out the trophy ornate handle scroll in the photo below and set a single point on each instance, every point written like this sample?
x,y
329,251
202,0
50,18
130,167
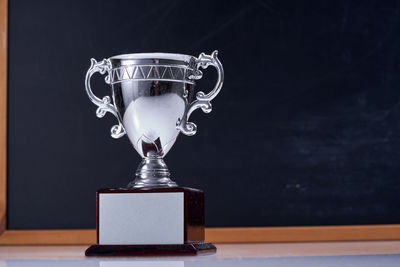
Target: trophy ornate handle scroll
x,y
152,100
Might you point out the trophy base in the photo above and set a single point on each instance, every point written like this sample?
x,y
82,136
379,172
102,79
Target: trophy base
x,y
150,222
187,249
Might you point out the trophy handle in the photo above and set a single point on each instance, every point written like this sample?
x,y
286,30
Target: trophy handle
x,y
202,101
104,105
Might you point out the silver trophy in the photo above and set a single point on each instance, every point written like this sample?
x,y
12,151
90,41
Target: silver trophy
x,y
152,100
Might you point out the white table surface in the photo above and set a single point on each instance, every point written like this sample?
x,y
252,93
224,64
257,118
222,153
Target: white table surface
x,y
346,254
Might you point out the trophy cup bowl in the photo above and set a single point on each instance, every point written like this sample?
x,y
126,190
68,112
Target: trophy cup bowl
x,y
152,100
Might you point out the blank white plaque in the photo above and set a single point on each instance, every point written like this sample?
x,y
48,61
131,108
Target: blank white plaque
x,y
141,218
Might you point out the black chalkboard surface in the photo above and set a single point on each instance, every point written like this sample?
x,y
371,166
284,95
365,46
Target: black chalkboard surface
x,y
306,130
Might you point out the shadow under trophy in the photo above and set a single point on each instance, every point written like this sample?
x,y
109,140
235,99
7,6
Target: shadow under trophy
x,y
152,100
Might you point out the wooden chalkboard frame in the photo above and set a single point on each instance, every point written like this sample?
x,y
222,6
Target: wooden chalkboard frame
x,y
215,235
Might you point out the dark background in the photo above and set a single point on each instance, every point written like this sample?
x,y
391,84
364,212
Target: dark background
x,y
304,132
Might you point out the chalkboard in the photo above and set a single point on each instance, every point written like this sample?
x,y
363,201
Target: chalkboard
x,y
306,130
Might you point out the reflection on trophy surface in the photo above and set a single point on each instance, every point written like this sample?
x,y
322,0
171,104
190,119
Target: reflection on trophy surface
x,y
152,100
148,120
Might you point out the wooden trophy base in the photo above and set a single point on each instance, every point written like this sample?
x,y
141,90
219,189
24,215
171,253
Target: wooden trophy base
x,y
188,249
150,222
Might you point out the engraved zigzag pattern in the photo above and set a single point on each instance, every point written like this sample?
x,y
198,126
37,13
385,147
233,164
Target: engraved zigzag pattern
x,y
157,72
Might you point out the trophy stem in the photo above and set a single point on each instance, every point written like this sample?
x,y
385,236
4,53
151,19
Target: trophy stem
x,y
152,173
